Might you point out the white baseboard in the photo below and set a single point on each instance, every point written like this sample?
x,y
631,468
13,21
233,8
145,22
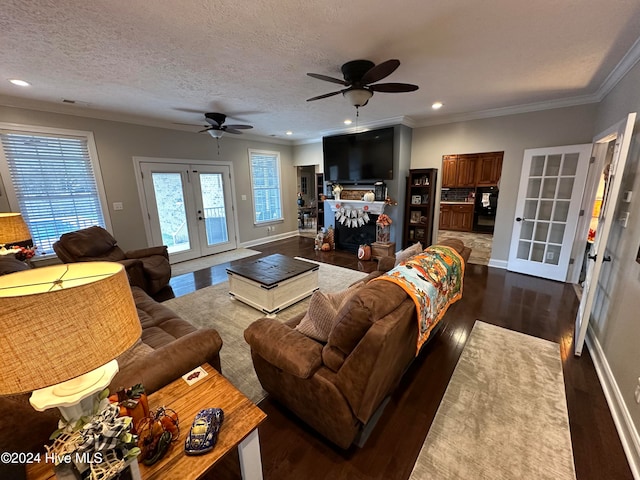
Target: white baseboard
x,y
621,417
270,238
498,263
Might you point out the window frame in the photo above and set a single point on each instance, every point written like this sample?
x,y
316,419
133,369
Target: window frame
x,y
276,154
5,175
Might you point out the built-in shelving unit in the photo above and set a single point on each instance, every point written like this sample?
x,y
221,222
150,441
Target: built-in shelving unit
x,y
419,207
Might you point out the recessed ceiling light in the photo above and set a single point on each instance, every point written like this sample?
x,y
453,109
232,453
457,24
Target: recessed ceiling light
x,y
437,105
289,132
20,83
348,122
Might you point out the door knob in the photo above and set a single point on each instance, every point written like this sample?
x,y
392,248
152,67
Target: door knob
x,y
520,219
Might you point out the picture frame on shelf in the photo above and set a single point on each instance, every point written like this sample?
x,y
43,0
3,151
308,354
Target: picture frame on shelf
x,y
419,234
417,181
416,199
411,233
425,198
415,216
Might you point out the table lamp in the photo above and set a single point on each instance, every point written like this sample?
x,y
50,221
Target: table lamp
x,y
63,326
13,230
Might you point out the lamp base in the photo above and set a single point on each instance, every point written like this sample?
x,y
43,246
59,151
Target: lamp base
x,y
74,398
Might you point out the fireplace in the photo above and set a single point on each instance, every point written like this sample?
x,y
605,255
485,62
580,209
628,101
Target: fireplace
x,y
349,238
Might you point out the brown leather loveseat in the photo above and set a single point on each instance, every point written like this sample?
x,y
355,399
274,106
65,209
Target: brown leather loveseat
x,y
147,268
340,387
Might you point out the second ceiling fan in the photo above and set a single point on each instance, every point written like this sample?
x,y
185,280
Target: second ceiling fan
x,y
359,77
217,127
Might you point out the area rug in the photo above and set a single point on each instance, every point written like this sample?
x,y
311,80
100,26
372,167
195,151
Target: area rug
x,y
503,415
201,263
213,307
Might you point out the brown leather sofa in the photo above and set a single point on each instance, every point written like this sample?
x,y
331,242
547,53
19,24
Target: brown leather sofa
x,y
339,388
147,268
169,347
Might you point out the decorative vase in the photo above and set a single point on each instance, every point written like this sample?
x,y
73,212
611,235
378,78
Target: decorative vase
x,y
383,233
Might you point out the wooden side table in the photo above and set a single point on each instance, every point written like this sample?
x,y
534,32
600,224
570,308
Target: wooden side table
x,y
379,250
239,429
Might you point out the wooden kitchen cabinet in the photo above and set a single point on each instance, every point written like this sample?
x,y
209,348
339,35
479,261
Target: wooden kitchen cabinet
x,y
456,216
466,171
449,171
488,169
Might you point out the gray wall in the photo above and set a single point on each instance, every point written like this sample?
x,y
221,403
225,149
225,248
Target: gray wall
x,y
511,134
117,143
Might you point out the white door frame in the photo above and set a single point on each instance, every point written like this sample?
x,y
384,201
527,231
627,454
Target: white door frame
x,y
621,132
141,196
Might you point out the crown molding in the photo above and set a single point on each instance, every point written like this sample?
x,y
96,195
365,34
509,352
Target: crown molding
x,y
620,70
387,122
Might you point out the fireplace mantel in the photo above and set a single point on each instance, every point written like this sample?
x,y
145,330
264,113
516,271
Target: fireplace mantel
x,y
375,208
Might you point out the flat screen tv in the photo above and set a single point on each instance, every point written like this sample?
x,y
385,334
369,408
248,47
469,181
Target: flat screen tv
x,y
359,157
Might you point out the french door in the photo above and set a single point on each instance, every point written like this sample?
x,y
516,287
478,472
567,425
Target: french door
x,y
189,208
619,133
551,187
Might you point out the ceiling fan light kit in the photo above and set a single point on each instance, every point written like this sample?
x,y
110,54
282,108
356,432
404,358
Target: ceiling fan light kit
x,y
217,128
359,79
358,97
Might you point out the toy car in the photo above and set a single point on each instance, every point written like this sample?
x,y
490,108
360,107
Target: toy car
x,y
203,434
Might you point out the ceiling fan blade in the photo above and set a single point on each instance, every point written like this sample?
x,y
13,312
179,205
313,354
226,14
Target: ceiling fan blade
x,y
380,71
207,129
231,130
393,87
324,96
189,124
239,127
328,79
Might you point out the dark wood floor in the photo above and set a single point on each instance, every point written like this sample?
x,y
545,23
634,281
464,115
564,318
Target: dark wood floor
x,y
525,304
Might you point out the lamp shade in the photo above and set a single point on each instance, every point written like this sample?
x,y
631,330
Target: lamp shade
x,y
62,321
13,229
358,97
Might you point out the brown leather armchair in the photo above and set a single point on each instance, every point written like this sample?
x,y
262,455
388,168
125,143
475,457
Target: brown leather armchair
x,y
147,268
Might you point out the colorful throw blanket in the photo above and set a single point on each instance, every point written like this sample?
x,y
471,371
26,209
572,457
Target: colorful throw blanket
x,y
433,279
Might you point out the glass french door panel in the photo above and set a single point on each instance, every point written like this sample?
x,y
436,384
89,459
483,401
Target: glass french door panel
x,y
549,188
530,208
565,188
172,214
546,207
537,253
561,211
526,232
523,250
214,209
533,188
556,235
537,166
570,164
542,231
553,166
553,254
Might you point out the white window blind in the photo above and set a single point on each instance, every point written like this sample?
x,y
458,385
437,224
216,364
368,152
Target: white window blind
x,y
265,182
54,184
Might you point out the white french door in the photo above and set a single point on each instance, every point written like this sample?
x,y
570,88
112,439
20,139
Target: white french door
x,y
189,208
549,196
619,133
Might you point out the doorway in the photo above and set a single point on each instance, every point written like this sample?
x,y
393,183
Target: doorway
x,y
189,208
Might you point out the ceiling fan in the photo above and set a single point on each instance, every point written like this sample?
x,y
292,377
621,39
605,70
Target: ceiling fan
x,y
359,75
217,127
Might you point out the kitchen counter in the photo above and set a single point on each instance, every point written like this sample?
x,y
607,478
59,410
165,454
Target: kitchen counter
x,y
445,202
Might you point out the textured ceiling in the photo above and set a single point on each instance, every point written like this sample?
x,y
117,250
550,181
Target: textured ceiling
x,y
162,62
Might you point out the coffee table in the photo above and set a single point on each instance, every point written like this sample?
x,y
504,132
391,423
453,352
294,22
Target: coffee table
x,y
272,283
239,429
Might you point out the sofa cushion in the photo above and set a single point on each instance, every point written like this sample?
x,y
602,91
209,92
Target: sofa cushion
x,y
367,305
321,314
10,264
407,253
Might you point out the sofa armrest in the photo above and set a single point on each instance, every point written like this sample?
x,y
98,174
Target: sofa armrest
x,y
171,361
284,347
147,252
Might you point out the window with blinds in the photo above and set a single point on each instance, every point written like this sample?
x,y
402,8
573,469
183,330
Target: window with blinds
x,y
53,184
265,183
